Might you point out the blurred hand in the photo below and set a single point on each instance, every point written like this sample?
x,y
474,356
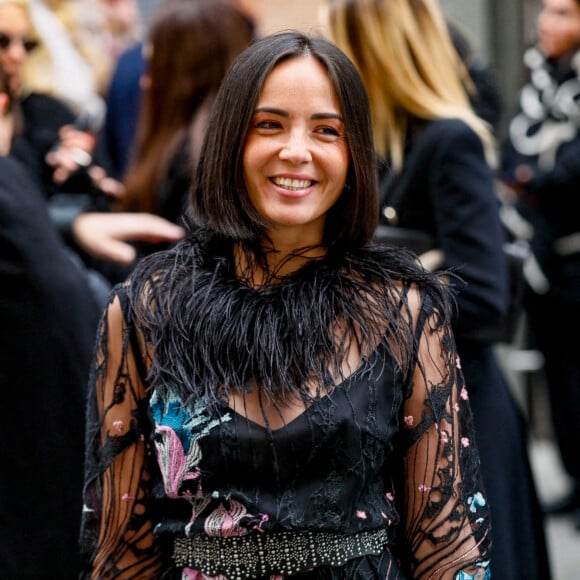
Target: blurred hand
x,y
73,151
104,183
106,235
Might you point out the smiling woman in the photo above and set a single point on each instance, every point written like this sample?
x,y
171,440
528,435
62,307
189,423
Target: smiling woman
x,y
276,396
296,155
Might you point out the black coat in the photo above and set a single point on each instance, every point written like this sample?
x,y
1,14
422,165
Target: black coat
x,y
445,189
48,320
43,116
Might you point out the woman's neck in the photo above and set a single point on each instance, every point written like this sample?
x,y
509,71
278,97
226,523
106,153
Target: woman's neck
x,y
274,262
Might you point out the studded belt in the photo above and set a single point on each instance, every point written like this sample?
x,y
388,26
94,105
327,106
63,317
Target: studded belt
x,y
260,554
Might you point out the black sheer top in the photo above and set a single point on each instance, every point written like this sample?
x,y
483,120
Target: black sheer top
x,y
373,474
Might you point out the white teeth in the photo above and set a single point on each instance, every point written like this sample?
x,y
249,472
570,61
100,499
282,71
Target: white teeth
x,y
288,183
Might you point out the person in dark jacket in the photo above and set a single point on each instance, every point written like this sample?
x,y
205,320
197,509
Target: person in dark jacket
x,y
57,154
540,163
49,319
439,185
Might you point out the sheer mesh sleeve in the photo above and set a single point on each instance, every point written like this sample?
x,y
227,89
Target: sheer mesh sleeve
x,y
447,520
117,536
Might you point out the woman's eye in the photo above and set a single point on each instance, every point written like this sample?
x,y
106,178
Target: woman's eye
x,y
267,125
328,131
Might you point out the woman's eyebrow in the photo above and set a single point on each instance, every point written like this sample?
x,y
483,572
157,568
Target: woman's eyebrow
x,y
272,110
283,113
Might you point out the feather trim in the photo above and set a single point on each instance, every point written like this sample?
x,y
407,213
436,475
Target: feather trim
x,y
211,334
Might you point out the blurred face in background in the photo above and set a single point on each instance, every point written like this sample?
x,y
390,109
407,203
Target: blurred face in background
x,y
16,41
559,27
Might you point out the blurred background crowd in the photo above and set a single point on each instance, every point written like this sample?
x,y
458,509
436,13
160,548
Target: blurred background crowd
x,y
103,106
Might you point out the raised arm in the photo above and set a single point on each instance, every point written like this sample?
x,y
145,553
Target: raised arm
x,y
117,534
446,516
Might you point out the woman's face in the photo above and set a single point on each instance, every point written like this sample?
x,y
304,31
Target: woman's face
x,y
15,41
559,27
296,154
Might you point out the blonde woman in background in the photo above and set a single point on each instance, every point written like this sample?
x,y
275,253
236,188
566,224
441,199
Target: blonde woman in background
x,y
437,182
82,40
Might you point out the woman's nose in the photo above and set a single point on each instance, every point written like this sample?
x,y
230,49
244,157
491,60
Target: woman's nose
x,y
16,52
296,150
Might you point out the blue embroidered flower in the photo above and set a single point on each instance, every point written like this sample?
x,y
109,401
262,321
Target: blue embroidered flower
x,y
177,433
476,501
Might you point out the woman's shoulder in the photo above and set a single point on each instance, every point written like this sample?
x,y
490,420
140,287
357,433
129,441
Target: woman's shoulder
x,y
448,130
450,141
398,268
38,105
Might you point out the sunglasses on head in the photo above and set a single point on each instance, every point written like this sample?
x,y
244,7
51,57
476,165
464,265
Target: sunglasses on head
x,y
6,40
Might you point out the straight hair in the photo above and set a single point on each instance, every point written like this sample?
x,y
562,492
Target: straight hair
x,y
192,44
220,201
405,55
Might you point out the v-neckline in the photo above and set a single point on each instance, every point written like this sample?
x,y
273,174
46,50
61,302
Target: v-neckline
x,y
345,383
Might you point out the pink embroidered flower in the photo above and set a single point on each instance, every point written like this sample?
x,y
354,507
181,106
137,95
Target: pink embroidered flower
x,y
263,519
390,496
456,407
225,520
127,497
176,466
361,514
191,574
408,420
444,437
458,362
118,426
465,441
464,394
423,488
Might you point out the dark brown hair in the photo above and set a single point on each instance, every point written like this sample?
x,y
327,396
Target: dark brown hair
x,y
220,201
193,43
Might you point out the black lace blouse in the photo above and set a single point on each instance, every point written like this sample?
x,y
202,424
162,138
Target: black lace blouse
x,y
375,476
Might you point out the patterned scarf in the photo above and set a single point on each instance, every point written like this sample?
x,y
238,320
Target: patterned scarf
x,y
549,108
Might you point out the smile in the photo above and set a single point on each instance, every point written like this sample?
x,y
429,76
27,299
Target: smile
x,y
292,184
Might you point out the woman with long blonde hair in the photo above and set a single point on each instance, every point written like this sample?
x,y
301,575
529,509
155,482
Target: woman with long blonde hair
x,y
437,183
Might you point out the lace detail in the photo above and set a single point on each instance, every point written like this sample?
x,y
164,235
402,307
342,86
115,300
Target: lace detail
x,y
389,446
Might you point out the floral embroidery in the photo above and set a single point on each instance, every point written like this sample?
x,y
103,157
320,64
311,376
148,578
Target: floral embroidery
x,y
178,450
465,441
423,488
361,514
408,420
265,518
223,522
475,501
176,467
189,574
458,362
461,575
464,394
118,426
